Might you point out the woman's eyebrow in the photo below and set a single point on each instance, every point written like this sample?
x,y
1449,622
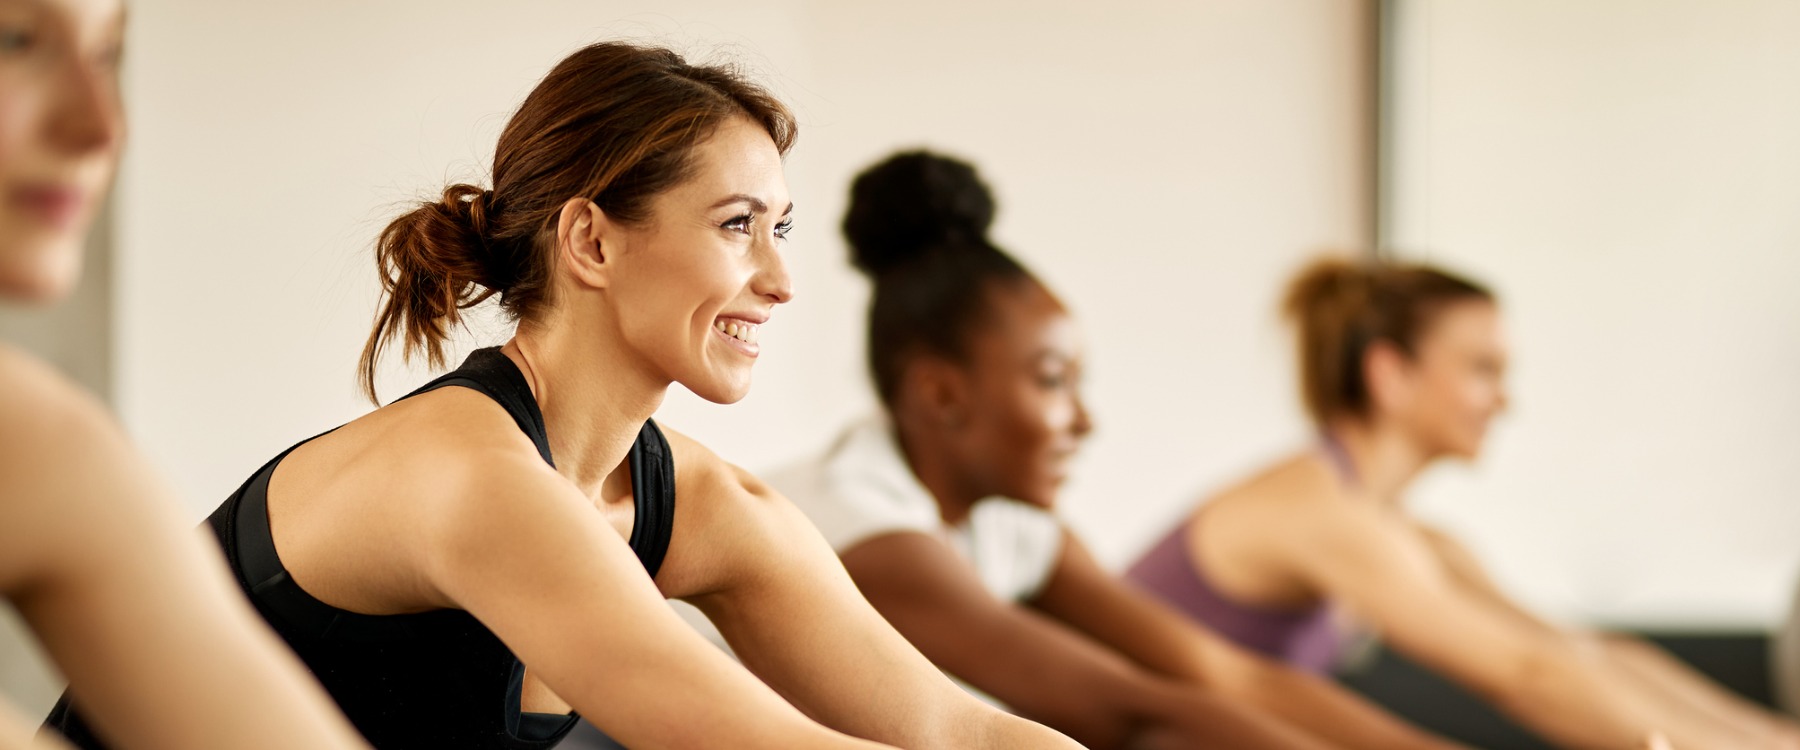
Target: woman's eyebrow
x,y
756,204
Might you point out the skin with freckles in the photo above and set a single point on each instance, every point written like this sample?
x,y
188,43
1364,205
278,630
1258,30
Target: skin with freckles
x,y
95,554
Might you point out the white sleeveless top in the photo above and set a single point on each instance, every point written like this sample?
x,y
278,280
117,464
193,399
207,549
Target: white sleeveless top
x,y
861,488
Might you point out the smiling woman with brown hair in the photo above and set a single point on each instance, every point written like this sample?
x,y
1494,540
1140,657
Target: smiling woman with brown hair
x,y
472,564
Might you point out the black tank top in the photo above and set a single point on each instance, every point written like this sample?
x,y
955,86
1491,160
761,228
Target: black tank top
x,y
434,679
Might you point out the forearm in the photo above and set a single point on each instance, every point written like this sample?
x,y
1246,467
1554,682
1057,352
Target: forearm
x,y
1579,701
1329,711
1676,682
1200,719
1003,731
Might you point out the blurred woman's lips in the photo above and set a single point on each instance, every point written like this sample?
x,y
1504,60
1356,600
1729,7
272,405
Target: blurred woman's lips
x,y
56,205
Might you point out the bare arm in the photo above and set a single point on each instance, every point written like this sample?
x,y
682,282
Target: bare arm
x,y
1098,603
1039,667
132,605
525,552
751,561
1367,557
1673,686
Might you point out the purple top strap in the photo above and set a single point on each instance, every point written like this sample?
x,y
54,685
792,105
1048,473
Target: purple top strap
x,y
1307,639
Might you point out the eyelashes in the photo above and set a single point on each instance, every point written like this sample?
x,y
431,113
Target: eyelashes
x,y
742,223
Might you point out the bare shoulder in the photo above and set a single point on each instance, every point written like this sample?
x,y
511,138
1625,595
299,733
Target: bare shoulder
x,y
728,523
68,470
698,468
1297,490
371,516
446,444
39,405
718,491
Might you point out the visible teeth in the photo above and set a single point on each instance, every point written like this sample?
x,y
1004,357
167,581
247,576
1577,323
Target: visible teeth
x,y
745,332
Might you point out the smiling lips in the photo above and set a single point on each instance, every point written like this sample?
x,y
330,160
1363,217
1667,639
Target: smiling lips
x,y
738,329
52,204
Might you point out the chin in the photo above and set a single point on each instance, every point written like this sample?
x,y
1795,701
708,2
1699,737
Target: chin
x,y
41,283
1468,450
718,392
1042,496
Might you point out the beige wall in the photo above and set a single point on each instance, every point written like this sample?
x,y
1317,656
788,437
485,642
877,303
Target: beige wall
x,y
1162,165
1628,175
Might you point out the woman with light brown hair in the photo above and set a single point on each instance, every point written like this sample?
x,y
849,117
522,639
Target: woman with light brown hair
x,y
473,564
1402,365
131,606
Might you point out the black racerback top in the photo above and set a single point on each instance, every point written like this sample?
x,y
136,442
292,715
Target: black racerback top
x,y
437,679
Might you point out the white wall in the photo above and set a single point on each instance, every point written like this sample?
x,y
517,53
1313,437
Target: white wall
x,y
1627,174
1162,165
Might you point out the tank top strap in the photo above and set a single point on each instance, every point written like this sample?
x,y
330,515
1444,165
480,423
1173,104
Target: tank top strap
x,y
1339,457
494,375
653,493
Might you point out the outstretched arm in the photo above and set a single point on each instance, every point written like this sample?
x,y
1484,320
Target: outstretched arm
x,y
1040,667
133,606
1369,558
1111,611
1675,687
750,561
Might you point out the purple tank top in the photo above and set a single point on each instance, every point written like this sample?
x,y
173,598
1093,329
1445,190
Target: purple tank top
x,y
1308,639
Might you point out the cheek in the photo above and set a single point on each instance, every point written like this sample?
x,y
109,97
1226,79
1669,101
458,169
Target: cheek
x,y
1027,433
17,110
677,296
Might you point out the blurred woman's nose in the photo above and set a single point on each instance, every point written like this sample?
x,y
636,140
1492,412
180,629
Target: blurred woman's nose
x,y
86,117
1084,423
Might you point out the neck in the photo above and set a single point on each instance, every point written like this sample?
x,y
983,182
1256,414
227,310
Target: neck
x,y
593,398
933,463
1385,459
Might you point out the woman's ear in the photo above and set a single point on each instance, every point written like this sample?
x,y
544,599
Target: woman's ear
x,y
941,388
1388,376
581,229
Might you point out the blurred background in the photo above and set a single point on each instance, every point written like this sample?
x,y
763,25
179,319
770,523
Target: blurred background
x,y
1626,173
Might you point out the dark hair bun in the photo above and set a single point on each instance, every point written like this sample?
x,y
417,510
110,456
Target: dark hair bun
x,y
912,203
